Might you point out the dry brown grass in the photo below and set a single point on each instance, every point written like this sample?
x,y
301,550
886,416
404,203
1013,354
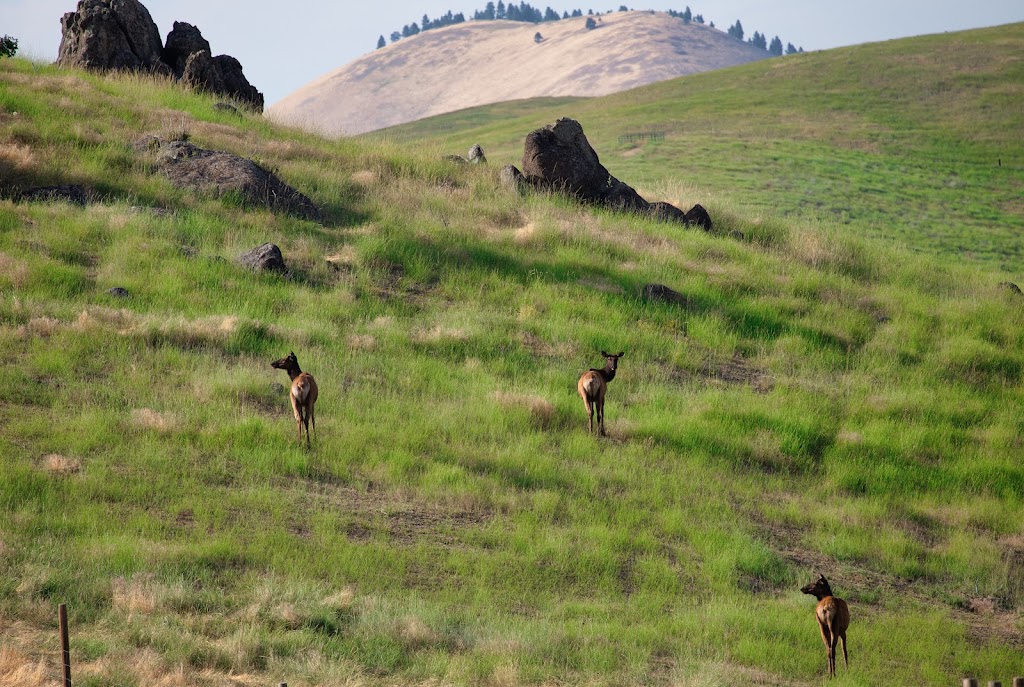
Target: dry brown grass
x,y
139,594
542,411
56,464
150,419
20,670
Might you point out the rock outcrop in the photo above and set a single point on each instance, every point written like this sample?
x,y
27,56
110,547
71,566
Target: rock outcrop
x,y
559,158
219,173
110,34
120,35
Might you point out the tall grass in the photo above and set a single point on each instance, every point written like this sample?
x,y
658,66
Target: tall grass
x,y
821,403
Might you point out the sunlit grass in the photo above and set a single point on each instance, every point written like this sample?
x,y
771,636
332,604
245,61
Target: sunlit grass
x,y
821,403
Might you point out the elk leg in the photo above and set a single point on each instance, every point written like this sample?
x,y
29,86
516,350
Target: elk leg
x,y
827,639
600,417
590,413
845,657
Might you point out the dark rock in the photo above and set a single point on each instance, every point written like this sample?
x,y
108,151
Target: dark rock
x,y
511,178
191,58
183,41
1011,287
621,196
110,34
225,107
210,171
666,212
559,157
457,159
265,258
202,74
118,292
699,216
660,292
69,193
236,86
476,155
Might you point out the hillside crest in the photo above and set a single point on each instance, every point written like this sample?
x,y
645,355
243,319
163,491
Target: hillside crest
x,y
481,62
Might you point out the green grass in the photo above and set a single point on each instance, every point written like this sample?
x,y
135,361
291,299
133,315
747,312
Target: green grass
x,y
914,140
824,403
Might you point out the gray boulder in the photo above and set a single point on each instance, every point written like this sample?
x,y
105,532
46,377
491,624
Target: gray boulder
x,y
110,35
511,178
210,171
476,155
265,258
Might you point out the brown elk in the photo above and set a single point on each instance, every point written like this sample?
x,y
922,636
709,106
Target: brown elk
x,y
303,394
833,618
593,385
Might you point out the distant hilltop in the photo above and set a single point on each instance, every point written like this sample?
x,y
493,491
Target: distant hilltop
x,y
479,62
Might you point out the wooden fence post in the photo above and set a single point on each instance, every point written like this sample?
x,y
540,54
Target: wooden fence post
x,y
1018,682
995,683
65,646
970,682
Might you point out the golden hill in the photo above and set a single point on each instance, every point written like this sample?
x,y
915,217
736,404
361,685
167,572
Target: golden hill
x,y
475,63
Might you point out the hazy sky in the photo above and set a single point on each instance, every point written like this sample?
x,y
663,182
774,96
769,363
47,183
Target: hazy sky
x,y
282,46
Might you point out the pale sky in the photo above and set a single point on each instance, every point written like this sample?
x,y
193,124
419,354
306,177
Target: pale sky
x,y
283,46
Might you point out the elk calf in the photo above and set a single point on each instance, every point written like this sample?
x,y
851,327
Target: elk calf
x,y
833,618
593,385
303,394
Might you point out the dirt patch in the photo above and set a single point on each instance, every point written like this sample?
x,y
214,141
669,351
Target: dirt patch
x,y
736,371
407,521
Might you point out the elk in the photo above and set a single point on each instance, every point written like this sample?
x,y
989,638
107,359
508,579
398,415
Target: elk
x,y
592,387
833,618
303,393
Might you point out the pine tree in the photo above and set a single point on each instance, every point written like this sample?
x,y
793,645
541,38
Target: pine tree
x,y
687,15
550,15
426,23
776,47
537,38
736,30
591,24
395,36
790,49
381,42
489,10
499,13
8,46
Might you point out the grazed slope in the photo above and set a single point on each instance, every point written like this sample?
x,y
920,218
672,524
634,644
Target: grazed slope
x,y
916,140
469,64
814,403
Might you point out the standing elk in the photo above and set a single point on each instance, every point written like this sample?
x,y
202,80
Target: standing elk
x,y
833,618
593,385
303,394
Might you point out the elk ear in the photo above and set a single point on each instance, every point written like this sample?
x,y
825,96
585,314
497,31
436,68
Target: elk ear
x,y
605,355
621,353
291,353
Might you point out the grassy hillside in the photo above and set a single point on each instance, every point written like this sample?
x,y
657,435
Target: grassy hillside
x,y
821,403
915,140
